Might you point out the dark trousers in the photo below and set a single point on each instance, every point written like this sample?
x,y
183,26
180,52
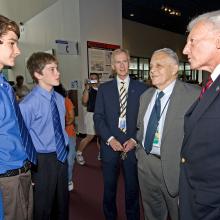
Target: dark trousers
x,y
110,173
50,189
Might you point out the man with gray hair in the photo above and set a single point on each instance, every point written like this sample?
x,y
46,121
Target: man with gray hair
x,y
160,135
200,154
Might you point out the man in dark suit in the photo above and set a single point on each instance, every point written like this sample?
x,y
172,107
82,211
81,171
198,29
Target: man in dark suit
x,y
158,159
115,120
200,155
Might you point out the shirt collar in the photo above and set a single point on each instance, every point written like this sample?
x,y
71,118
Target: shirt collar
x,y
126,80
168,90
215,73
1,78
44,92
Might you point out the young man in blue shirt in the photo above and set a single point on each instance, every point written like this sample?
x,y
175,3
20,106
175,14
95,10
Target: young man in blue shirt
x,y
16,146
43,110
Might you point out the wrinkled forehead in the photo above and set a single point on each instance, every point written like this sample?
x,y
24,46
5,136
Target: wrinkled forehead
x,y
120,56
201,29
161,57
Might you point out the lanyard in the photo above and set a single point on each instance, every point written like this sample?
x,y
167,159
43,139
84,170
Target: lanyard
x,y
164,109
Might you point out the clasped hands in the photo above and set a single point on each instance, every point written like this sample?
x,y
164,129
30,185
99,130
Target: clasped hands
x,y
127,146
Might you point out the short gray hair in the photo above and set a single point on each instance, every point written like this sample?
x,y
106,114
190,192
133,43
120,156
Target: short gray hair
x,y
119,51
170,53
210,17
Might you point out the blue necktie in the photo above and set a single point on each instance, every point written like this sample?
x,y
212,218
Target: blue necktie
x,y
58,132
153,124
25,136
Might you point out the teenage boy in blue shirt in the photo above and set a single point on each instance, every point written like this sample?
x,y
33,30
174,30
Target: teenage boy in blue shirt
x,y
15,176
50,177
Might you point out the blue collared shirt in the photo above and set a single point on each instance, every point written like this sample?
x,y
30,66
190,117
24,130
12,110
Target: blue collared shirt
x,y
12,153
36,111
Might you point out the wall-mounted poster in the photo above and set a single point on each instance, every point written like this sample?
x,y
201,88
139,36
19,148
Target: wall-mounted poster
x,y
99,59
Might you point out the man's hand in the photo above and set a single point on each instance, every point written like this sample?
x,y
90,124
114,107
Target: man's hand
x,y
115,144
129,145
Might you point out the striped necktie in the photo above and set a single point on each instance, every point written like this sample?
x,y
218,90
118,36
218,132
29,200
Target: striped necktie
x,y
61,149
123,102
25,136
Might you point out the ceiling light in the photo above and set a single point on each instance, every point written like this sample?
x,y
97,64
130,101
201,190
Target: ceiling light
x,y
170,11
131,15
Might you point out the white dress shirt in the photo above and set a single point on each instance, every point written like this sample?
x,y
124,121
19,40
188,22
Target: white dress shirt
x,y
215,73
126,83
164,106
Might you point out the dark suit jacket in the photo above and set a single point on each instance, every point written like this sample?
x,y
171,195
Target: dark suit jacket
x,y
107,112
200,167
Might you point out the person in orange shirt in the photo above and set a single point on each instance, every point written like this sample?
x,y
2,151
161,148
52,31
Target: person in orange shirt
x,y
70,129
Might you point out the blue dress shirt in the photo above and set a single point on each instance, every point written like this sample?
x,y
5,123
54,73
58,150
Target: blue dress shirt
x,y
36,111
12,153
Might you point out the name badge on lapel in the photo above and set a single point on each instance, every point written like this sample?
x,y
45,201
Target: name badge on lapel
x,y
122,123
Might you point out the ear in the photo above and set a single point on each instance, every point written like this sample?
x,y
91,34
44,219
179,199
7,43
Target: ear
x,y
113,67
218,41
175,69
38,75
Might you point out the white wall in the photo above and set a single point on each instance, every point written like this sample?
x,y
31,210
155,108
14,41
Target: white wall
x,y
101,21
73,20
141,40
23,10
59,21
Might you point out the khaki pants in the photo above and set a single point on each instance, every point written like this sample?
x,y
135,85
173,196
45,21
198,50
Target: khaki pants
x,y
17,195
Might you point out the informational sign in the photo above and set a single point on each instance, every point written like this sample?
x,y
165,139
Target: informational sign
x,y
75,84
67,47
99,59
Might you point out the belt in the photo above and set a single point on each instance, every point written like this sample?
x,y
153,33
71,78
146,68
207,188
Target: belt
x,y
18,171
156,155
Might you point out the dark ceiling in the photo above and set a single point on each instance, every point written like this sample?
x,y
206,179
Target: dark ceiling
x,y
149,12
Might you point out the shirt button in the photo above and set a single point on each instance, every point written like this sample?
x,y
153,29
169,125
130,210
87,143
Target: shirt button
x,y
183,160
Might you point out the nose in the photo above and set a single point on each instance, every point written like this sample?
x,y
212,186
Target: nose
x,y
122,64
17,50
186,49
58,72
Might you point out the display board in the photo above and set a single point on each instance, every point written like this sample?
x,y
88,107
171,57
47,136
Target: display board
x,y
99,59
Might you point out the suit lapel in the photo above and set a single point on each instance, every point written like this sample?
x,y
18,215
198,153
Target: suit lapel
x,y
114,95
200,106
175,103
145,101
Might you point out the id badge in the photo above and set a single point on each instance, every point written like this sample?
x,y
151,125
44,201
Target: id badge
x,y
156,139
122,123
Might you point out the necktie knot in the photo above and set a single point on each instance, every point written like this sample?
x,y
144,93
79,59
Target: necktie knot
x,y
206,86
160,95
122,84
208,83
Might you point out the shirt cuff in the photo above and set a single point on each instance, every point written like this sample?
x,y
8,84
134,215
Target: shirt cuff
x,y
134,142
108,141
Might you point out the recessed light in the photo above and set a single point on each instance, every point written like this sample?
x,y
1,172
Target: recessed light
x,y
132,15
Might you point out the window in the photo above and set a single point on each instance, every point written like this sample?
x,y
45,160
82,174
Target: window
x,y
139,68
